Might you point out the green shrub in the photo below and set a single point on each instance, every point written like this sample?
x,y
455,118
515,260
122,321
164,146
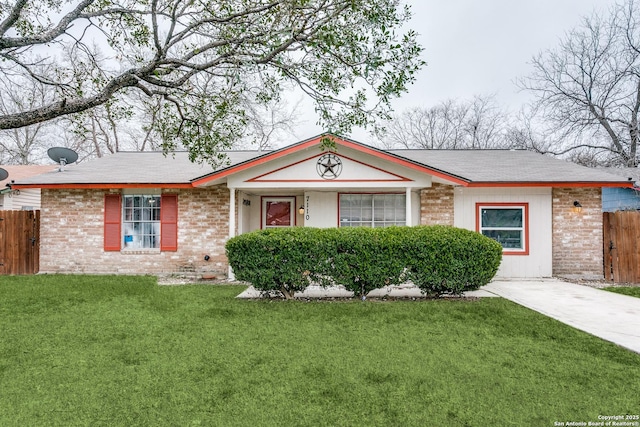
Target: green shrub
x,y
449,260
366,259
284,260
437,259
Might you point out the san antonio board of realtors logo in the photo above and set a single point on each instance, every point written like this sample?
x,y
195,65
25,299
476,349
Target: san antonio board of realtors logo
x,y
329,166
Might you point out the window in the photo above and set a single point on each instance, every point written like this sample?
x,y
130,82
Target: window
x,y
278,212
141,221
507,224
138,221
372,210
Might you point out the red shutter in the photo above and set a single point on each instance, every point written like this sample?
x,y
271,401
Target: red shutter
x,y
112,216
169,222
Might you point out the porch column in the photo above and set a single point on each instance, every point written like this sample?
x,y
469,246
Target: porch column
x,y
408,208
232,222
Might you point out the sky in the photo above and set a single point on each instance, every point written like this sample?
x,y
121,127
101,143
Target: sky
x,y
480,47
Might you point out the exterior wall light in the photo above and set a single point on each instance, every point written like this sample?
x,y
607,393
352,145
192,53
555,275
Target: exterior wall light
x,y
301,210
577,207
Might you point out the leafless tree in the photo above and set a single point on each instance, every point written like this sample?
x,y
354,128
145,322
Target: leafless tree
x,y
588,88
269,124
529,131
475,124
25,145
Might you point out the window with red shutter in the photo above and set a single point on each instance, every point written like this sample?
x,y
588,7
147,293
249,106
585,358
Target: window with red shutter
x,y
169,222
112,220
149,222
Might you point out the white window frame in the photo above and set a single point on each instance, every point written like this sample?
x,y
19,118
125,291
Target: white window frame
x,y
399,220
292,211
149,240
524,229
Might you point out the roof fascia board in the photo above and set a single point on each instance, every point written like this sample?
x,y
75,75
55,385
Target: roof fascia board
x,y
550,184
100,186
340,141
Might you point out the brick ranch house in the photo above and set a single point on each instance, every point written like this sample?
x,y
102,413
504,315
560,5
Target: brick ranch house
x,y
143,212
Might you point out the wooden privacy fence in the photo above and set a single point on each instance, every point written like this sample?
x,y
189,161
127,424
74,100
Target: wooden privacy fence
x,y
622,246
19,242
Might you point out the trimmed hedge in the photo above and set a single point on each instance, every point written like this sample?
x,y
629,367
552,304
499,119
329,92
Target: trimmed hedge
x,y
277,259
438,259
448,260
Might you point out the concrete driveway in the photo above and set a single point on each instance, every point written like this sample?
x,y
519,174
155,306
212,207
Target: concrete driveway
x,y
607,315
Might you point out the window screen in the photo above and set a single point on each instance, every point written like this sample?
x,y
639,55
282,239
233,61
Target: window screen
x,y
372,210
141,221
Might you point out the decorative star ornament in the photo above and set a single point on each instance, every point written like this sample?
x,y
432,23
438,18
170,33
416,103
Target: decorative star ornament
x,y
329,166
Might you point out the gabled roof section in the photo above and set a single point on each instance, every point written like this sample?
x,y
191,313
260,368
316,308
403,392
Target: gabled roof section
x,y
130,169
356,171
339,141
469,168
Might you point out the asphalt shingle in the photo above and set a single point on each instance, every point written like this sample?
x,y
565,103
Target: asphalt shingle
x,y
474,166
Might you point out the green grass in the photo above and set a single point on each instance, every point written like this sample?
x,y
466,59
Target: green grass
x,y
122,351
633,291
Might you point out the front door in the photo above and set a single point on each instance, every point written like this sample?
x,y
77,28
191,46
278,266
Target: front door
x,y
278,212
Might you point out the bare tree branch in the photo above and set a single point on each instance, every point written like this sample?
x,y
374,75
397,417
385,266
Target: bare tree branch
x,y
474,124
591,82
349,56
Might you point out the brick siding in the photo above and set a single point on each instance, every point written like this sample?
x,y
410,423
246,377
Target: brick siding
x,y
577,236
72,224
436,205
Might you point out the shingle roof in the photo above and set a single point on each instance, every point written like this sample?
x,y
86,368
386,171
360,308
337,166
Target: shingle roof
x,y
512,166
472,166
633,173
145,167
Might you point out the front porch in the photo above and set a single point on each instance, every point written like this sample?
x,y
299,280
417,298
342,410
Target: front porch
x,y
256,209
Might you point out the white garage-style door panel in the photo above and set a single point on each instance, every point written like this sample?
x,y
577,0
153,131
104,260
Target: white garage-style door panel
x,y
533,256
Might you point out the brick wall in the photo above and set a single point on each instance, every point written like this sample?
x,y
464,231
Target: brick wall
x,y
72,233
577,236
436,205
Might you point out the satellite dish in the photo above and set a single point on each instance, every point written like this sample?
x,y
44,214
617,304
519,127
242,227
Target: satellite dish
x,y
3,174
62,156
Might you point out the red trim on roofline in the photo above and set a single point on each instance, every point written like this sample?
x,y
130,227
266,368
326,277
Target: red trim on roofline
x,y
333,180
548,184
464,184
257,161
344,142
403,162
100,186
257,178
394,158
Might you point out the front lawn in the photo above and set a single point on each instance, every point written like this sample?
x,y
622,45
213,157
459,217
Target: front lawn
x,y
633,291
122,351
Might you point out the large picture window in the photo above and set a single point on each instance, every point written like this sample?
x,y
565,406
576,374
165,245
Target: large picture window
x,y
372,210
506,223
141,221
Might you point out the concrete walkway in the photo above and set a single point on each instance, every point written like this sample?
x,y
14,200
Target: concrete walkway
x,y
610,316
